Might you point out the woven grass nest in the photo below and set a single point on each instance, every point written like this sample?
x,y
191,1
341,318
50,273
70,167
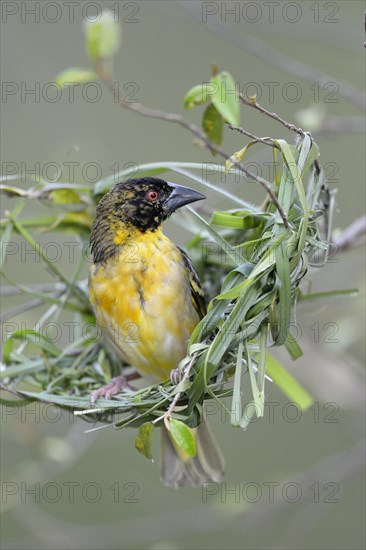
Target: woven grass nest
x,y
253,263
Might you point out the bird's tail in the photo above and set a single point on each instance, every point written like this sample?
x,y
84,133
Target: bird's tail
x,y
177,468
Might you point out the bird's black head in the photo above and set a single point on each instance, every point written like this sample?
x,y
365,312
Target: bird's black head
x,y
138,204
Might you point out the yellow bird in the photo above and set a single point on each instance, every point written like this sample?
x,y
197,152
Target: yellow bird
x,y
147,299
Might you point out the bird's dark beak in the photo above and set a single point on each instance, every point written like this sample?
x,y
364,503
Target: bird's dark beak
x,y
181,196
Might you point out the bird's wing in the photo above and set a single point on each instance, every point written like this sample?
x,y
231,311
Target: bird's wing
x,y
198,297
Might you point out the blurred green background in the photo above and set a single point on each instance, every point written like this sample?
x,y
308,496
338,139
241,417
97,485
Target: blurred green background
x,y
94,490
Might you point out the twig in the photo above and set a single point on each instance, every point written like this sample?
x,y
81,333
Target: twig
x,y
353,235
47,287
273,57
279,119
276,117
106,77
307,72
168,413
21,309
265,141
6,388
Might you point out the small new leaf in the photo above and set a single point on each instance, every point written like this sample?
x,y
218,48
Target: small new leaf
x,y
288,384
144,438
197,95
103,37
73,76
237,157
183,437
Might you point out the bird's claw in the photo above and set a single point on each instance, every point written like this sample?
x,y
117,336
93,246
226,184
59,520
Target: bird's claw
x,y
175,376
116,385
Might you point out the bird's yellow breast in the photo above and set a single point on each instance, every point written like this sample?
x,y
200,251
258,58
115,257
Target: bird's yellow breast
x,y
142,301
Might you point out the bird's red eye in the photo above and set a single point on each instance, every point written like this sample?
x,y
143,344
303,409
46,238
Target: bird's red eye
x,y
152,195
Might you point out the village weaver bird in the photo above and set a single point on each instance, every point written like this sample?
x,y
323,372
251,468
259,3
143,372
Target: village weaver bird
x,y
147,299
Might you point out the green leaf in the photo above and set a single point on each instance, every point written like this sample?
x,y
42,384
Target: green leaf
x,y
16,371
213,124
144,438
237,156
33,337
295,170
197,95
5,238
65,196
183,437
242,219
288,384
227,219
73,222
236,405
77,401
249,411
225,97
284,292
216,237
4,242
258,396
224,337
12,192
72,76
52,266
314,296
103,37
293,347
262,357
262,267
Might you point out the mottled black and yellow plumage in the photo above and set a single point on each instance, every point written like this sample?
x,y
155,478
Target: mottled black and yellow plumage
x,y
147,298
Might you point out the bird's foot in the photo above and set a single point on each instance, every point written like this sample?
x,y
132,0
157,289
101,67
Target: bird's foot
x,y
175,376
116,385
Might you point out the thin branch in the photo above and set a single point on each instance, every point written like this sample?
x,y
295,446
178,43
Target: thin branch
x,y
307,72
107,79
47,287
275,58
6,388
276,117
168,413
265,141
354,235
21,309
